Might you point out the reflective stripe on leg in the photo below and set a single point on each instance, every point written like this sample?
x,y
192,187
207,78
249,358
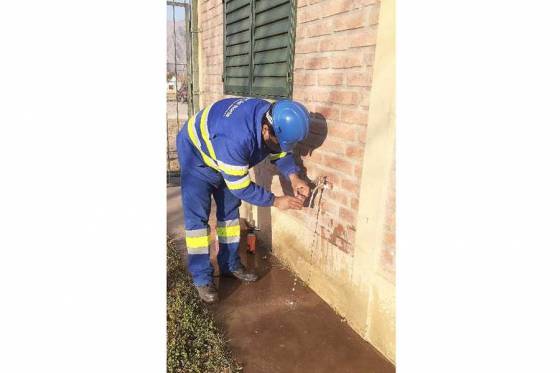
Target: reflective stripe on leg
x,y
198,241
228,231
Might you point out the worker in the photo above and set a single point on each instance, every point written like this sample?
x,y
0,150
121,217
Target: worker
x,y
216,148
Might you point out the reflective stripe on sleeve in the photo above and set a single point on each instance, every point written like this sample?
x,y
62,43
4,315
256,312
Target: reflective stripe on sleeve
x,y
242,183
233,170
276,156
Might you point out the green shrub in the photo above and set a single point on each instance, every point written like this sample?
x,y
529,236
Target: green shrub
x,y
194,343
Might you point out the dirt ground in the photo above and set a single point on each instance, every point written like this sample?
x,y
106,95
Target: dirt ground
x,y
278,324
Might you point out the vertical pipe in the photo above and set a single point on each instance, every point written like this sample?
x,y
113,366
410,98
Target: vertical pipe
x,y
194,56
188,60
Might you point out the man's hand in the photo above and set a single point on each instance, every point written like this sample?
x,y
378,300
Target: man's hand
x,y
288,202
300,187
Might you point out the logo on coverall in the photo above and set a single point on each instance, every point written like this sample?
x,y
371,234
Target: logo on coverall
x,y
234,106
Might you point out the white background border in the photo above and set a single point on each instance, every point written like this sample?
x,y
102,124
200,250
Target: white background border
x,y
82,154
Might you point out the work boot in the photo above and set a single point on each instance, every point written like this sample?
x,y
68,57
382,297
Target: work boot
x,y
242,274
208,293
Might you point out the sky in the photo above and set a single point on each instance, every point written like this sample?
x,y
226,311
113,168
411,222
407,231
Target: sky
x,y
179,11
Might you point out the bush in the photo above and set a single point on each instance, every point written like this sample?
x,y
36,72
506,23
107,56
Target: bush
x,y
194,343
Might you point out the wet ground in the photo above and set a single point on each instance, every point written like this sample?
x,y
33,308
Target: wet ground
x,y
278,324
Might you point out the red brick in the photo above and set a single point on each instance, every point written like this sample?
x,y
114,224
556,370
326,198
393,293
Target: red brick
x,y
355,204
333,146
355,152
364,99
322,27
338,196
326,220
302,77
362,37
329,207
328,112
343,97
299,95
337,163
350,21
317,95
307,14
300,32
373,15
351,186
347,215
307,46
342,131
330,78
358,171
361,134
333,43
361,3
316,63
310,106
299,62
331,7
359,79
355,116
345,61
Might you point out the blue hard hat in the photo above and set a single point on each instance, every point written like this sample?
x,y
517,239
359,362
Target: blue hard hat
x,y
290,121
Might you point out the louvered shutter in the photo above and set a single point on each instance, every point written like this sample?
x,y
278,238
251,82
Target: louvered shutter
x,y
272,48
266,60
237,46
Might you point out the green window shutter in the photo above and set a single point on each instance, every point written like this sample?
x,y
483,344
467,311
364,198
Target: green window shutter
x,y
237,46
269,58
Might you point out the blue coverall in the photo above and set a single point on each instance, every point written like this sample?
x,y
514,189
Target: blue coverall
x,y
216,148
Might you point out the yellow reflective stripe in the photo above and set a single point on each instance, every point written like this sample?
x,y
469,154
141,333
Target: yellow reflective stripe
x,y
195,242
233,170
204,132
239,184
209,161
194,138
276,156
192,133
232,231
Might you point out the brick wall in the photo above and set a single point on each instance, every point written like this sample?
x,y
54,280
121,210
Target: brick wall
x,y
211,47
333,66
335,46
